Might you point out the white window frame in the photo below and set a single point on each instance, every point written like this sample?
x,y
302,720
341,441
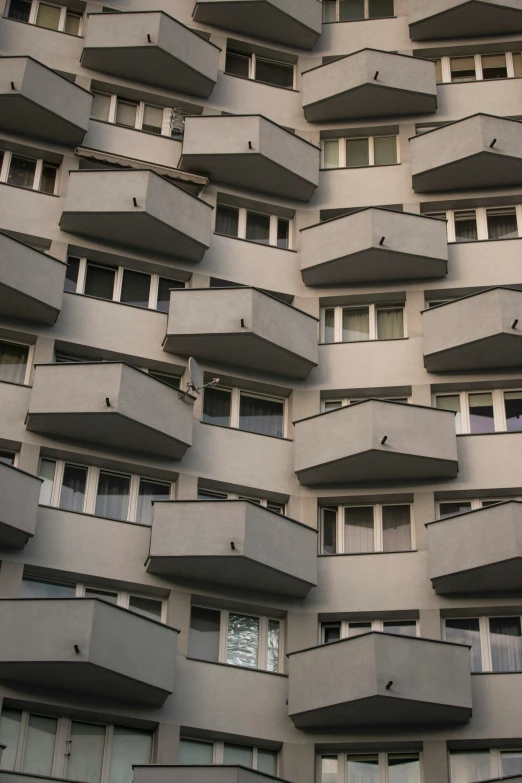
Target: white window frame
x,y
482,222
342,402
218,749
485,639
342,762
140,111
252,68
378,537
376,625
373,309
6,164
495,760
264,502
366,13
499,412
445,64
235,398
33,13
242,226
371,151
476,503
30,358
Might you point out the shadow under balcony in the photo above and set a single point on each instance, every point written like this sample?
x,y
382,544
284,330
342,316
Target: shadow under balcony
x,y
151,47
481,151
36,101
139,209
19,495
379,679
374,245
249,151
369,83
87,646
465,19
478,332
234,543
478,551
112,404
374,441
243,327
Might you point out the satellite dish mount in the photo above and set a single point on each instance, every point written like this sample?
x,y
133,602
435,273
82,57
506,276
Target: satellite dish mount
x,y
196,379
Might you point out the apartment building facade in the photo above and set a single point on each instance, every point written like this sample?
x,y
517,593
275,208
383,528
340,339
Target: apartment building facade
x,y
307,564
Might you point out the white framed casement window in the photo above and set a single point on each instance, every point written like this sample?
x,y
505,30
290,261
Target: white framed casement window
x,y
16,360
199,751
361,152
271,505
60,747
362,529
139,115
119,284
481,412
276,73
252,641
30,173
44,14
263,228
383,767
334,630
495,641
356,10
478,67
359,323
482,223
39,587
244,410
105,493
342,402
450,508
484,764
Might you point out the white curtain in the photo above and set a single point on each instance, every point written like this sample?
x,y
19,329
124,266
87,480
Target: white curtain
x,y
87,745
358,530
129,746
506,644
13,362
403,769
396,528
39,745
470,766
390,324
356,324
112,499
363,769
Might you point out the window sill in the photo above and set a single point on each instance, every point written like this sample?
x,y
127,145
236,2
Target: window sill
x,y
29,190
258,81
365,554
115,301
481,241
39,27
358,168
486,434
358,342
248,432
95,516
351,21
137,130
480,674
253,242
480,81
235,666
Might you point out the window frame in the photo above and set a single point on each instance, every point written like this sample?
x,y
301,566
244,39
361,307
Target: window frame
x,y
378,537
499,411
495,759
373,310
366,18
218,749
485,638
345,401
376,625
30,359
343,756
166,128
445,67
371,151
235,400
252,58
64,10
242,226
481,222
476,504
5,166
264,502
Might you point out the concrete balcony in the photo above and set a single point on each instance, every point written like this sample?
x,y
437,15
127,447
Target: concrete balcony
x,y
481,151
243,327
369,83
112,404
222,773
374,441
135,144
478,332
379,679
139,209
479,551
283,21
465,18
192,540
121,655
31,283
35,101
152,48
251,152
19,494
372,246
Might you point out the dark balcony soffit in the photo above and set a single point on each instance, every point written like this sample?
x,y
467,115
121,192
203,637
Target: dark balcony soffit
x,y
467,20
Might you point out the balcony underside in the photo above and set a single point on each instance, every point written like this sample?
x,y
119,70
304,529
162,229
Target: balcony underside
x,y
499,351
483,170
498,577
20,115
468,19
370,100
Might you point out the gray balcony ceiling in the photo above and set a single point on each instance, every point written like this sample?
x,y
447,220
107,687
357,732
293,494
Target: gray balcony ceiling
x,y
369,83
152,48
374,245
478,332
19,495
465,19
189,773
192,540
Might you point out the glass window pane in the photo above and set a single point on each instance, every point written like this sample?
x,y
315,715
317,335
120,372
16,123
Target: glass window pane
x,y
331,632
351,10
19,10
9,730
238,754
237,64
356,324
384,150
331,154
258,228
358,628
329,769
194,752
377,9
401,627
267,761
438,71
329,531
469,765
74,481
100,106
126,113
204,634
152,119
278,74
358,529
332,405
112,498
506,644
108,596
513,408
86,748
216,406
148,492
71,274
517,63
466,226
7,457
390,324
451,402
274,627
227,221
164,286
39,745
99,281
403,768
40,588
72,23
243,640
13,362
511,761
21,172
129,746
494,66
363,769
165,377
466,631
283,233
481,414
502,223
48,179
148,607
135,288
48,16
396,528
462,69
449,509
357,153
46,472
329,325
261,415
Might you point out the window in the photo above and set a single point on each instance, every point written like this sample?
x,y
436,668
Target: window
x,y
330,405
260,69
360,323
59,746
369,768
14,362
197,751
139,115
356,153
48,15
221,636
478,67
470,225
449,508
29,173
118,284
243,223
355,530
92,490
271,505
468,766
481,412
244,410
356,10
332,631
7,457
496,642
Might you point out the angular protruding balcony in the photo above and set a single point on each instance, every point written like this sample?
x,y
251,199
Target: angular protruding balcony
x,y
234,543
152,48
478,551
243,327
222,773
112,404
36,101
481,151
369,83
374,245
379,679
19,495
376,440
88,646
249,151
478,332
31,282
465,19
282,21
137,209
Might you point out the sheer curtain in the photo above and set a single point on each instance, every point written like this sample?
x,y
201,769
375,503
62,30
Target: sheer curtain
x,y
403,769
9,731
357,153
112,499
87,745
13,362
39,745
358,530
466,226
356,324
149,491
390,324
506,644
129,746
258,228
73,488
502,223
227,221
216,407
466,631
363,769
469,766
261,415
396,528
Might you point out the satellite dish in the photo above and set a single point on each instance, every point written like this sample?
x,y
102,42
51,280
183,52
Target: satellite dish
x,y
196,378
